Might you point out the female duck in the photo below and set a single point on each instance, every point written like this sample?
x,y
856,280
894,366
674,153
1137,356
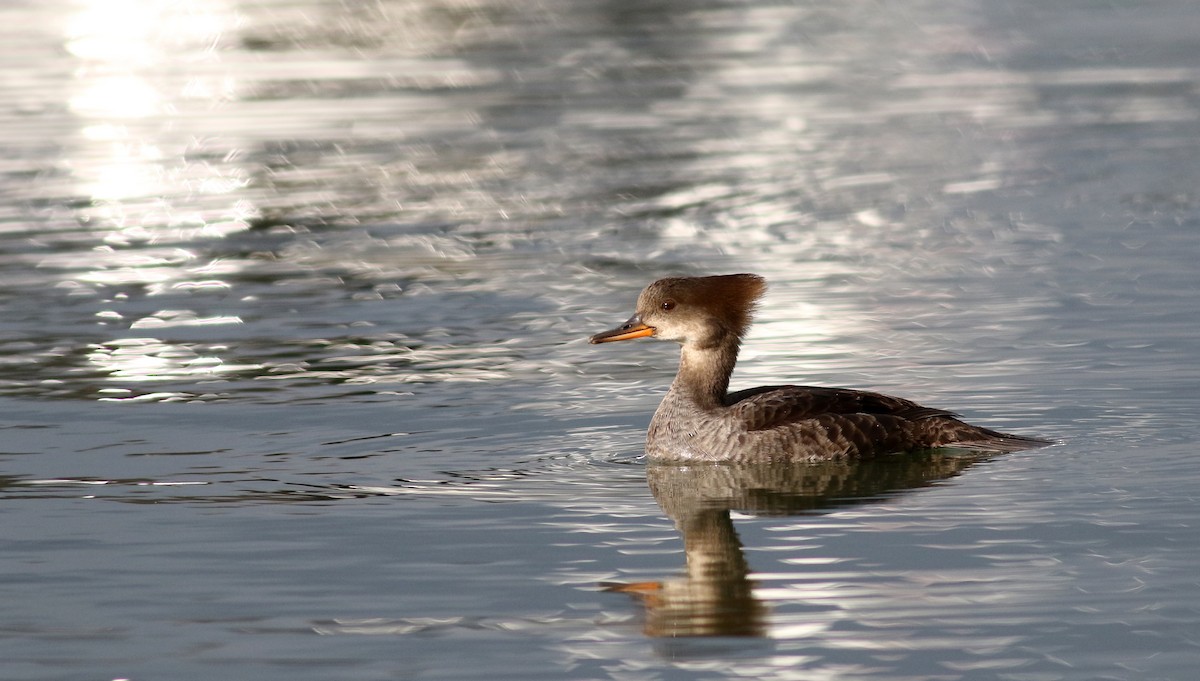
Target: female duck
x,y
699,420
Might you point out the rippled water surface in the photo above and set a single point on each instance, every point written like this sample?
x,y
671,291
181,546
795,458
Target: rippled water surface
x,y
293,368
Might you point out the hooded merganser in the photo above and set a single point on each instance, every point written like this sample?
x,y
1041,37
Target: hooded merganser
x,y
698,420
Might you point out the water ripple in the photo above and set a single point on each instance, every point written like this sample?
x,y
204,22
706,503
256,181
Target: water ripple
x,y
296,299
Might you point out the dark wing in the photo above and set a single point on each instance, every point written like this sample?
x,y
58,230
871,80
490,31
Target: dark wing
x,y
771,406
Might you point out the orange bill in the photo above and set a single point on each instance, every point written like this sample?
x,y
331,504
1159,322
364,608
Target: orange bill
x,y
634,328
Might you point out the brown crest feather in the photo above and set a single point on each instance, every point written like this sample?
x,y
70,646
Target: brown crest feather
x,y
729,298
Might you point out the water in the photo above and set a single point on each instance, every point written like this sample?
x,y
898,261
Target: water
x,y
295,297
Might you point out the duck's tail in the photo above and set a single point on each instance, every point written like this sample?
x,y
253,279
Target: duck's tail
x,y
955,433
1001,442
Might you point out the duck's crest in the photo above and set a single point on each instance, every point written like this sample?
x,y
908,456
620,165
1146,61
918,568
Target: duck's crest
x,y
728,298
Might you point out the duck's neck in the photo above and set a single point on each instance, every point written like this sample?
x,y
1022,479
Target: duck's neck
x,y
704,372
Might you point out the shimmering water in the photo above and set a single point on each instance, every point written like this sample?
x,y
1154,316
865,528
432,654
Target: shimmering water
x,y
293,362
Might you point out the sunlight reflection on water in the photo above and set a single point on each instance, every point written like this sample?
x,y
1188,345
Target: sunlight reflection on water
x,y
198,179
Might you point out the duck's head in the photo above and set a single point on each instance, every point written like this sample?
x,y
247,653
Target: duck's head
x,y
700,311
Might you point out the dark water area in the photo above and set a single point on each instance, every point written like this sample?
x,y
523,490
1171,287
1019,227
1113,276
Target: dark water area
x,y
294,370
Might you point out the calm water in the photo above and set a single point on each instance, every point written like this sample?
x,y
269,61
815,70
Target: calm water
x,y
295,295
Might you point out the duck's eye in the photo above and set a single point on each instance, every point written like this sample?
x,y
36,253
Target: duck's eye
x,y
668,305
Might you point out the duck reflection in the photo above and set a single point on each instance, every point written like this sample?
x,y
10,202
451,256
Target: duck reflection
x,y
715,596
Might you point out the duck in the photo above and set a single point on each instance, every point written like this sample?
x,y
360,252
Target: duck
x,y
699,420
